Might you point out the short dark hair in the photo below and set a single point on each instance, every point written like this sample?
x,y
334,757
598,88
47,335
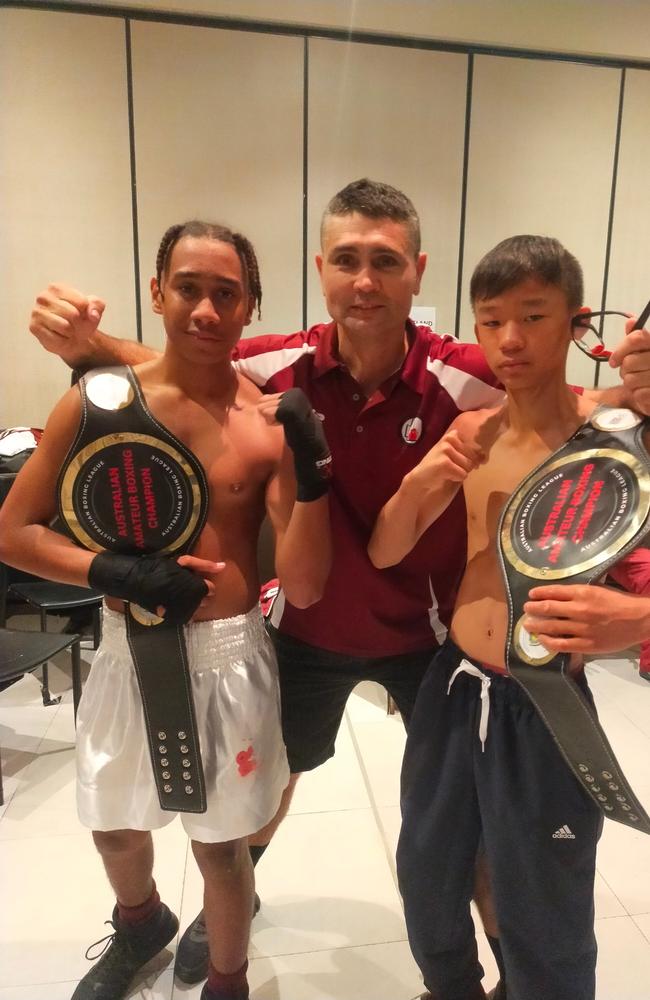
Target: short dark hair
x,y
377,201
520,257
214,231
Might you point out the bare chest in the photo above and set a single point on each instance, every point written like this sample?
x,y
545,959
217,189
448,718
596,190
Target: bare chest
x,y
489,487
236,448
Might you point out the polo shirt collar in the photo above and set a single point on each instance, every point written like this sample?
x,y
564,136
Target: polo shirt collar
x,y
326,357
413,371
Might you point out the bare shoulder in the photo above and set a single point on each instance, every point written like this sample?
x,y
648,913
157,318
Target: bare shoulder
x,y
481,426
62,422
586,406
250,413
247,391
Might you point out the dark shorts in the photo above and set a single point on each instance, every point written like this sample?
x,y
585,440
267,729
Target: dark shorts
x,y
315,685
537,825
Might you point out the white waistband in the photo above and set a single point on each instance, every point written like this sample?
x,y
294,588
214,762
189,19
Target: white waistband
x,y
223,640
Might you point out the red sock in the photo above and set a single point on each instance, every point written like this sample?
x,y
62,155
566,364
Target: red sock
x,y
227,985
138,914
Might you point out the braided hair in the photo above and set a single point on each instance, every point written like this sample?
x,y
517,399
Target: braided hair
x,y
214,231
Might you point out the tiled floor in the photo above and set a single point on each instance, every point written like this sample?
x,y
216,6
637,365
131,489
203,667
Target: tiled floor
x,y
331,923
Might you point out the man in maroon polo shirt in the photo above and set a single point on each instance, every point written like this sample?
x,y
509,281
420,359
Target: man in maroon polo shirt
x,y
386,390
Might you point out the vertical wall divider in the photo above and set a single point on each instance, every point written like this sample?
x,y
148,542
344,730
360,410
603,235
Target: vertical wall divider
x,y
134,184
305,178
612,206
463,191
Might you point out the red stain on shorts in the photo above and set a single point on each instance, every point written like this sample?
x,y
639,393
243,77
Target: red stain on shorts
x,y
246,762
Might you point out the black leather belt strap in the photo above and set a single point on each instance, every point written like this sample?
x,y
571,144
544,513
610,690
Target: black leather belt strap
x,y
163,675
130,486
574,516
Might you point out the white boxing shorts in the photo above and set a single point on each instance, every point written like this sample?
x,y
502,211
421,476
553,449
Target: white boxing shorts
x,y
236,699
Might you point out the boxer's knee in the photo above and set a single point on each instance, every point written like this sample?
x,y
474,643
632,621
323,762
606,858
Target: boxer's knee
x,y
116,842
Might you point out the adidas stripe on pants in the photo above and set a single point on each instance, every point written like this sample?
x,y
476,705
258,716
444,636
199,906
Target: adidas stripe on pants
x,y
517,799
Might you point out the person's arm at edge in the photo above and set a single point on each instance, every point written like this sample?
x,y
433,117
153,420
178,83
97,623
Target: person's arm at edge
x,y
66,322
303,548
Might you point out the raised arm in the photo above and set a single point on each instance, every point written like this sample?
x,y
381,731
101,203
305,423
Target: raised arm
x,y
426,491
296,499
65,322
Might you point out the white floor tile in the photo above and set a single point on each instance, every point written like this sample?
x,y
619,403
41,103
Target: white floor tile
x,y
24,721
624,862
390,821
337,784
623,971
379,972
60,899
367,703
325,883
43,991
607,902
382,748
643,923
630,744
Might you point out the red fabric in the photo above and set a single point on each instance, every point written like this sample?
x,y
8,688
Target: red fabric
x,y
138,914
227,985
366,612
633,571
268,593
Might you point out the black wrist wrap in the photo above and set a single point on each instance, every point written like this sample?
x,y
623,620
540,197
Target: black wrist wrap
x,y
149,581
305,436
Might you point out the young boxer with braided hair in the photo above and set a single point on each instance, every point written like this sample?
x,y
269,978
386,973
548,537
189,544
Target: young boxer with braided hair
x,y
206,288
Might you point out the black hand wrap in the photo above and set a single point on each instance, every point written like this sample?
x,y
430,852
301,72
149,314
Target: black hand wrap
x,y
149,581
306,438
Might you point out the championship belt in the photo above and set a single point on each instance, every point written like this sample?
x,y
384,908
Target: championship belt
x,y
572,518
129,486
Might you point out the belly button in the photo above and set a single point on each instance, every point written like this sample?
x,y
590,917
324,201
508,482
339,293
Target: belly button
x,y
490,632
236,487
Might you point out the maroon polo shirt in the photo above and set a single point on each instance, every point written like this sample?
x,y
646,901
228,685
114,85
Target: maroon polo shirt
x,y
367,612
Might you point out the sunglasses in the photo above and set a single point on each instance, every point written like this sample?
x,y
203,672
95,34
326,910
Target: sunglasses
x,y
591,340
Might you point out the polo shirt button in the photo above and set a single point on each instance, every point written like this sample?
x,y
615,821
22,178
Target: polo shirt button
x,y
359,429
356,397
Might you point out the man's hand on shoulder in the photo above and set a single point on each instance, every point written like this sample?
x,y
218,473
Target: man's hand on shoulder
x,y
65,321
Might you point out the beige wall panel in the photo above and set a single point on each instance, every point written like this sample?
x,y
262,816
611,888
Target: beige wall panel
x,y
541,157
218,132
398,116
64,187
629,272
605,27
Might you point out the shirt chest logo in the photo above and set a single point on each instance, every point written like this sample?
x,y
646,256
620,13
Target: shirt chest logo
x,y
412,430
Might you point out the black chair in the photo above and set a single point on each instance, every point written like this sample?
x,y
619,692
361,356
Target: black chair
x,y
24,652
59,598
20,592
